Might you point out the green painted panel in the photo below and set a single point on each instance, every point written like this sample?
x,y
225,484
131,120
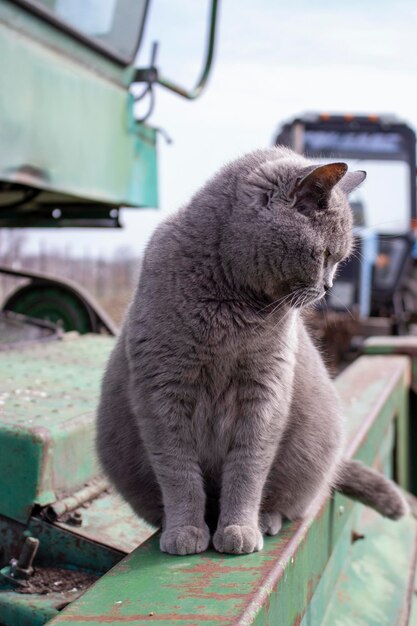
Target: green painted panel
x,y
124,531
23,610
324,591
274,586
209,588
58,547
413,613
48,395
341,548
69,122
39,30
22,457
375,587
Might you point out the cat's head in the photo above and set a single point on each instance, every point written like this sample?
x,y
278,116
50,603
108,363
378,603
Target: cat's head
x,y
291,226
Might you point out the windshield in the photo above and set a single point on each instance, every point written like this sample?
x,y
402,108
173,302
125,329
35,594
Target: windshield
x,y
384,198
359,144
115,23
383,202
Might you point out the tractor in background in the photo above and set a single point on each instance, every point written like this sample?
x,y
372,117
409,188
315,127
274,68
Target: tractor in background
x,y
375,292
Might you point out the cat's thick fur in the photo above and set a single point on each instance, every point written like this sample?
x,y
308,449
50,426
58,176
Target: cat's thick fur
x,y
217,413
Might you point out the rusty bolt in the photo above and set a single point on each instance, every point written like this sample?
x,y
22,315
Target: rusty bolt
x,y
22,567
356,536
75,518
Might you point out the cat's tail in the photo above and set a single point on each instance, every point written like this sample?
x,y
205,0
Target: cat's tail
x,y
371,488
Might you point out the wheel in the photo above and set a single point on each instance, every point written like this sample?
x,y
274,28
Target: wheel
x,y
53,303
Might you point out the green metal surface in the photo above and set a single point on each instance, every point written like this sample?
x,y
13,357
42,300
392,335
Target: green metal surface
x,y
67,120
57,545
376,586
413,613
23,610
406,345
48,398
124,531
274,586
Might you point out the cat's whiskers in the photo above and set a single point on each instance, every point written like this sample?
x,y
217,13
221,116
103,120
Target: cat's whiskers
x,y
276,302
334,295
295,296
280,304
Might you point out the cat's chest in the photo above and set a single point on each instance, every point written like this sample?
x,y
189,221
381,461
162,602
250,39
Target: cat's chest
x,y
228,387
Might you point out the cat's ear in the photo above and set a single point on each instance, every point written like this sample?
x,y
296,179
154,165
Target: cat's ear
x,y
351,180
313,188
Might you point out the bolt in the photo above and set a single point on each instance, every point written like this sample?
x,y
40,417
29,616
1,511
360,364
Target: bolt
x,y
341,509
22,567
75,518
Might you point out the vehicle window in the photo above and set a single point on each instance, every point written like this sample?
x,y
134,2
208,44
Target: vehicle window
x,y
385,195
383,201
115,23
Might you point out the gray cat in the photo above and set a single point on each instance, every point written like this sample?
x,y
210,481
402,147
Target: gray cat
x,y
217,414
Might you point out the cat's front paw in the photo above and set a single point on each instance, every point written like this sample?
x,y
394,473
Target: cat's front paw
x,y
236,539
185,540
270,523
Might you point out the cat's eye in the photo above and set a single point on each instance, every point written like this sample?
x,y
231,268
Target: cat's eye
x,y
327,254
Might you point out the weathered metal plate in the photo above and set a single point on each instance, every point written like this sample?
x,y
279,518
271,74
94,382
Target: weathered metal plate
x,y
405,344
108,520
58,547
23,610
48,398
413,613
276,585
377,586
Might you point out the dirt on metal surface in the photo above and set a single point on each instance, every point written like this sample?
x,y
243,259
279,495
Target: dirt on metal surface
x,y
52,579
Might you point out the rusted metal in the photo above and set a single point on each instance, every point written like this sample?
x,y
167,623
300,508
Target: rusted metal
x,y
47,421
23,566
89,492
376,587
405,344
275,586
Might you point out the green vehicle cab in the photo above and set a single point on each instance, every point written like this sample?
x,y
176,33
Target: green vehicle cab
x,y
71,149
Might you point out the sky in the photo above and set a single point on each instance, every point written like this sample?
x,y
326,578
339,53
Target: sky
x,y
273,60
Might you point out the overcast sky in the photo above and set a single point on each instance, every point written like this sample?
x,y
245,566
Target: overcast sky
x,y
273,60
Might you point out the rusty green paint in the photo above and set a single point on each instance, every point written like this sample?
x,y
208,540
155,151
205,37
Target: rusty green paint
x,y
123,532
413,612
57,546
407,458
405,344
341,554
66,114
49,394
324,591
377,585
211,588
23,610
276,585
